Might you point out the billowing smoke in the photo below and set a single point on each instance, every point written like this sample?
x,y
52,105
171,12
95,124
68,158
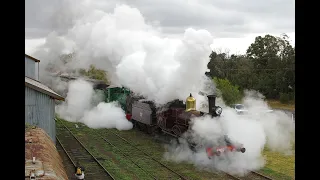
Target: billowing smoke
x,y
257,129
85,105
133,53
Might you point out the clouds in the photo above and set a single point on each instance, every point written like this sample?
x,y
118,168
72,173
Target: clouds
x,y
37,18
231,18
222,18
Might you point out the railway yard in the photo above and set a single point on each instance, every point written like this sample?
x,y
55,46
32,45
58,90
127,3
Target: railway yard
x,y
163,90
112,154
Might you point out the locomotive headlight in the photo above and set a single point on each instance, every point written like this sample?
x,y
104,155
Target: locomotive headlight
x,y
218,110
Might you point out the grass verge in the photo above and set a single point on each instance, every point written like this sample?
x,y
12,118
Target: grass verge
x,y
278,165
278,105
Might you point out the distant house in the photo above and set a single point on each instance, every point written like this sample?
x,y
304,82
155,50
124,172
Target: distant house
x,y
39,99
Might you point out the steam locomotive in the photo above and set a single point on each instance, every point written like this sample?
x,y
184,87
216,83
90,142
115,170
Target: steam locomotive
x,y
174,119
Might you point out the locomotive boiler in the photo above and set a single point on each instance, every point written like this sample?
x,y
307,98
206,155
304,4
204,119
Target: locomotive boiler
x,y
174,119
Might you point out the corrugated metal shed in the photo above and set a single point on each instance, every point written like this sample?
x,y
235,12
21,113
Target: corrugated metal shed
x,y
36,85
32,58
40,106
31,67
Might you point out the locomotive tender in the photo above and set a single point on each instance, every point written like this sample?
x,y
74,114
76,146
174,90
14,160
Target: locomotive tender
x,y
174,118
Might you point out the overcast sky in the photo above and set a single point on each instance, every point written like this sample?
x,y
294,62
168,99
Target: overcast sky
x,y
233,23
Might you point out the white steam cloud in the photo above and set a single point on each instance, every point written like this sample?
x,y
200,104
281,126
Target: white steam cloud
x,y
256,130
85,105
137,56
132,52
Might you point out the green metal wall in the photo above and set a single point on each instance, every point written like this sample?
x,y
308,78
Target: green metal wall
x,y
117,94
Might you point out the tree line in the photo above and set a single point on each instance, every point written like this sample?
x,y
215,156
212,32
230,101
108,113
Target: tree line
x,y
268,67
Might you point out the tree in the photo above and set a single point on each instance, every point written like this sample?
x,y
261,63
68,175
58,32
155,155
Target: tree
x,y
272,57
268,66
230,93
263,50
94,73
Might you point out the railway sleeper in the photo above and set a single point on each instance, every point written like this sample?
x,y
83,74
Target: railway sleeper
x,y
77,152
95,171
74,150
79,155
98,178
67,136
84,154
83,158
87,160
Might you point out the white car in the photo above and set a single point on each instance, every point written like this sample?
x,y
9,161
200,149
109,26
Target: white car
x,y
240,108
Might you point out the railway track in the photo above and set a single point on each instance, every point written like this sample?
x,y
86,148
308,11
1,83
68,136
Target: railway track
x,y
252,175
131,162
141,158
144,161
77,152
126,155
68,164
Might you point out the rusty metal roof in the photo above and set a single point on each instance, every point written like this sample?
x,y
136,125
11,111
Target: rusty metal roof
x,y
48,163
36,85
70,77
32,58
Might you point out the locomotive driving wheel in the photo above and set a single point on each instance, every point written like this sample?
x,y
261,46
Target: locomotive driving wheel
x,y
176,130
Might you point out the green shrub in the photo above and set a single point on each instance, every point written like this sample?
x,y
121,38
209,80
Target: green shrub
x,y
94,73
292,96
230,93
284,98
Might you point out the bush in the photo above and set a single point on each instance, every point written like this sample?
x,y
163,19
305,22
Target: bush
x,y
230,93
292,96
94,73
284,98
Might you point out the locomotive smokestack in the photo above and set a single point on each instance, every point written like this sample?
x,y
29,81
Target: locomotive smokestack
x,y
212,103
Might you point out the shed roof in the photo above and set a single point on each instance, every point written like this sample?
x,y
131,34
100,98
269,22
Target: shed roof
x,y
32,58
96,81
31,83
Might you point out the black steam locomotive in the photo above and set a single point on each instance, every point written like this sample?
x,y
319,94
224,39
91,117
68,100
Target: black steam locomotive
x,y
174,119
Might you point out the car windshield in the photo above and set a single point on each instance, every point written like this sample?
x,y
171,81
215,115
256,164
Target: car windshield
x,y
240,106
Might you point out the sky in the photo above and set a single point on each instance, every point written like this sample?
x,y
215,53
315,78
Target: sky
x,y
233,23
